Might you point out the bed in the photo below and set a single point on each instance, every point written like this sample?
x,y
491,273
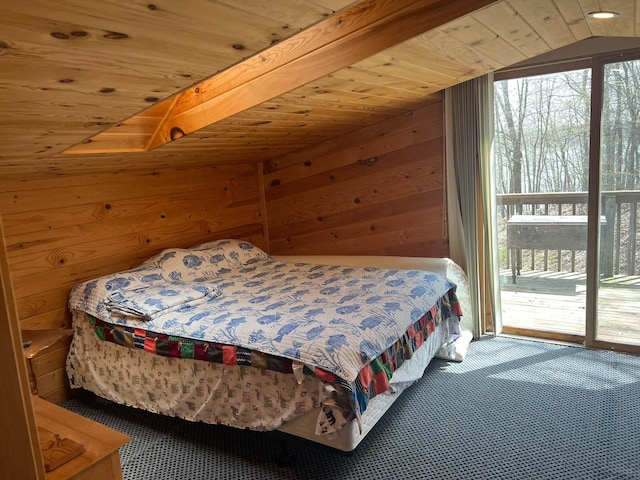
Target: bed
x,y
223,333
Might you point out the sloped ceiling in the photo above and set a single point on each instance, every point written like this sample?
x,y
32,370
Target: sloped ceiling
x,y
72,69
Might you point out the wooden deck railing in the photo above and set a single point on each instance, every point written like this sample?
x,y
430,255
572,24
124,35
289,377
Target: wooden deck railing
x,y
619,244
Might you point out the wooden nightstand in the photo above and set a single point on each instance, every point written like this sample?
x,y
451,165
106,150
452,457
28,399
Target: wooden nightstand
x,y
46,358
101,457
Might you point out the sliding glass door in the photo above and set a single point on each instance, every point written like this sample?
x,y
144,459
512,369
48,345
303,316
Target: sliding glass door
x,y
542,180
618,286
567,175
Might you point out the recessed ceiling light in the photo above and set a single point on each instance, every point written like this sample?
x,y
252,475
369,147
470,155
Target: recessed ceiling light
x,y
603,14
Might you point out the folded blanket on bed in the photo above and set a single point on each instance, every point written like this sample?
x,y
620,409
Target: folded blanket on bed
x,y
147,303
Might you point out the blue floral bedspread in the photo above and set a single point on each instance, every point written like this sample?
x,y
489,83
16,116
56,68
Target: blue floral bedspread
x,y
334,317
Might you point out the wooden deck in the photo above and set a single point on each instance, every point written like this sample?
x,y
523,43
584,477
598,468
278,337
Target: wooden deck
x,y
556,302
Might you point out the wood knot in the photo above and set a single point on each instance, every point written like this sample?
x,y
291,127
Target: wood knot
x,y
369,162
176,133
116,35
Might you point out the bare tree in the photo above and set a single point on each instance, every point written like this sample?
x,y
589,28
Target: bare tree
x,y
509,121
621,120
542,132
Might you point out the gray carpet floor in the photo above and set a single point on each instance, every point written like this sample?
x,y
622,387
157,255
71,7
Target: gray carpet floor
x,y
514,409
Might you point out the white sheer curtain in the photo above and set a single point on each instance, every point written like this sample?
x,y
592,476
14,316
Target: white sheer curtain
x,y
470,198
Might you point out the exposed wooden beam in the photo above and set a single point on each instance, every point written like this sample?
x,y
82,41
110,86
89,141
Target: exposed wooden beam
x,y
345,38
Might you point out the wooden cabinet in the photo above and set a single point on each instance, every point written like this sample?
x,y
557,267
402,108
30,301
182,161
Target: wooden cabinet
x,y
101,457
46,358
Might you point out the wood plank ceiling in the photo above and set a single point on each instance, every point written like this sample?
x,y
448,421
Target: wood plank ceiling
x,y
81,67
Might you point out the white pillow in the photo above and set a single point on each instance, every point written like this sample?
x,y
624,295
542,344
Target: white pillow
x,y
207,261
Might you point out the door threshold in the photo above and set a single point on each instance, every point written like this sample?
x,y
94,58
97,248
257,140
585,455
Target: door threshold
x,y
556,337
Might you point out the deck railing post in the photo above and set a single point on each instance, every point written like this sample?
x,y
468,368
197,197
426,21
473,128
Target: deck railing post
x,y
607,239
631,243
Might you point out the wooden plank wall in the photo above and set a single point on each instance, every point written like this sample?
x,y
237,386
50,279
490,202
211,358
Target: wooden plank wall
x,y
61,229
377,191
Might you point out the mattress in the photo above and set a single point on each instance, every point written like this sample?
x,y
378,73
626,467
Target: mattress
x,y
125,354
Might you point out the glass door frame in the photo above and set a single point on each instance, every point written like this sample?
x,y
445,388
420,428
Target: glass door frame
x,y
532,71
597,65
593,230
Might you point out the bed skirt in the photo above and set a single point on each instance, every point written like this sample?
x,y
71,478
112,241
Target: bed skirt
x,y
233,395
